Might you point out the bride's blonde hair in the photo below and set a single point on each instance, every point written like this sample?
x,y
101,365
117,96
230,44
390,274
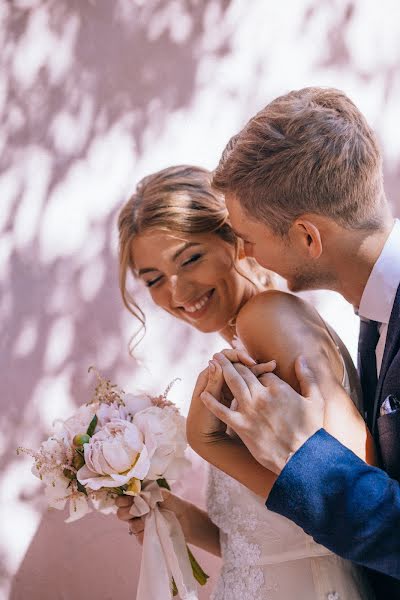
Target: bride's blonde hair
x,y
179,199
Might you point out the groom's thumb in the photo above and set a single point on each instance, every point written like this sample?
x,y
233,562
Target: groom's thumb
x,y
306,377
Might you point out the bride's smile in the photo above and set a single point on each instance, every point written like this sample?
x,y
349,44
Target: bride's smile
x,y
192,277
197,308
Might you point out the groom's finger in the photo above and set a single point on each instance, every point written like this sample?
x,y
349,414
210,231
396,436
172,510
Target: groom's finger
x,y
222,413
235,382
309,387
238,356
263,368
250,379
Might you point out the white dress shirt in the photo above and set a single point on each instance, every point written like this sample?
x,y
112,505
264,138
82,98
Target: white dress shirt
x,y
380,292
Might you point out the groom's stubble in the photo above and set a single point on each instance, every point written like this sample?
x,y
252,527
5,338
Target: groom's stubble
x,y
312,279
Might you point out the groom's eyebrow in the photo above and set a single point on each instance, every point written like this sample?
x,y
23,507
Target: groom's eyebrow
x,y
237,233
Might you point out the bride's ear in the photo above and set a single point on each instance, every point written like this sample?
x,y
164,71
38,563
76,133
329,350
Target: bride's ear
x,y
240,250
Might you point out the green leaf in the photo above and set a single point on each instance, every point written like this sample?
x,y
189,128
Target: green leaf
x,y
198,573
81,488
174,588
92,426
163,483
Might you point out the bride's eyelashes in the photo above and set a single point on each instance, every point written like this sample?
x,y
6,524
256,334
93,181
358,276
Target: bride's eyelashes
x,y
194,258
153,281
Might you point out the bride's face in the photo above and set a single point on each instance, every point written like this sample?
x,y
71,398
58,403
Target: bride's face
x,y
191,276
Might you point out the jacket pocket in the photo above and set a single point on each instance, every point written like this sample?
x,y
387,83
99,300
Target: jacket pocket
x,y
389,442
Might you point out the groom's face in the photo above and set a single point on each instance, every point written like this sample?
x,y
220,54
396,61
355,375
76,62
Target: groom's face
x,y
286,256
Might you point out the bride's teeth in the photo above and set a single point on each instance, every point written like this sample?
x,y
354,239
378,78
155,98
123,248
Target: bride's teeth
x,y
202,302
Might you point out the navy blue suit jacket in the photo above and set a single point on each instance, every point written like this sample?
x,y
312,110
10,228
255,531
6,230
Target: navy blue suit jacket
x,y
348,506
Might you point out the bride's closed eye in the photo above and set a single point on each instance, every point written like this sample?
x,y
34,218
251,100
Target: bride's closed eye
x,y
153,281
192,259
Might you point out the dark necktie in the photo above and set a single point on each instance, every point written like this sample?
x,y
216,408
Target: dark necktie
x,y
369,336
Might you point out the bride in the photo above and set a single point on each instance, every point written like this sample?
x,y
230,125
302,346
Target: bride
x,y
175,236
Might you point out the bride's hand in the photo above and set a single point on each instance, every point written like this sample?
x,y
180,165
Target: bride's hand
x,y
175,504
234,356
202,427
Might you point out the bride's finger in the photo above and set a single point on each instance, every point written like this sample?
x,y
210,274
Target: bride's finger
x,y
216,380
263,368
122,501
235,382
200,383
137,532
136,526
123,514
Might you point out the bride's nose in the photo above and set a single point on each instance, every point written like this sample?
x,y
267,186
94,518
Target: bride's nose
x,y
179,290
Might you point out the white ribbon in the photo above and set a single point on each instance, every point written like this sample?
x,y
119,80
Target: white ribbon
x,y
164,552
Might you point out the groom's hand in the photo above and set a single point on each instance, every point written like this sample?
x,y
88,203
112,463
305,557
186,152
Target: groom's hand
x,y
271,418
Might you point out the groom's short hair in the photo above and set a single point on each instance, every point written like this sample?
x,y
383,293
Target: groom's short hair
x,y
309,151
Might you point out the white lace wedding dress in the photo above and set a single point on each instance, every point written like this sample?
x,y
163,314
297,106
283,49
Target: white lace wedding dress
x,y
267,557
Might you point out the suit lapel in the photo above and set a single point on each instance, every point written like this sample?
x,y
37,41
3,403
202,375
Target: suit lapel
x,y
391,347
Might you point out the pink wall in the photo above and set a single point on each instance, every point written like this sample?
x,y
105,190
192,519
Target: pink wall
x,y
93,95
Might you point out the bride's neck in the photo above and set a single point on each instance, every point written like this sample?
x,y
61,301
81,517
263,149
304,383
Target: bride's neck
x,y
229,331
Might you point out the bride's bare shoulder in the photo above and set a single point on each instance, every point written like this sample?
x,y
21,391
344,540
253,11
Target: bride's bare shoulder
x,y
276,305
280,326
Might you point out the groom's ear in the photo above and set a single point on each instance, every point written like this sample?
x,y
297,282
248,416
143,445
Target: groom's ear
x,y
308,236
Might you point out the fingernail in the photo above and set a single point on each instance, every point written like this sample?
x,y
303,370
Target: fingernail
x,y
211,366
303,362
218,356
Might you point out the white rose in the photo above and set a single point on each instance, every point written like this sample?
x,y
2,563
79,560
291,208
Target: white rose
x,y
80,421
164,434
136,403
113,456
132,404
109,412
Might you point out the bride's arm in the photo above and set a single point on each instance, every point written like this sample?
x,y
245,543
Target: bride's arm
x,y
207,436
278,325
275,325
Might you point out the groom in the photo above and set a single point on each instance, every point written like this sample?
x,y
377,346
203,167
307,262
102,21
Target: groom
x,y
304,189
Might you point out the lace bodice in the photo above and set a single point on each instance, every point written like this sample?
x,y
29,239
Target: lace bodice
x,y
266,556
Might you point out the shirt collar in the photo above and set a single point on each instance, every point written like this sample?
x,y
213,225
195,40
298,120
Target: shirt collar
x,y
380,292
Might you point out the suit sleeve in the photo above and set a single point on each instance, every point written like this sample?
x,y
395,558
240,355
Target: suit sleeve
x,y
344,504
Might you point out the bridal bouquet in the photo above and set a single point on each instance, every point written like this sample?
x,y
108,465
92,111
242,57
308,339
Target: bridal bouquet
x,y
128,444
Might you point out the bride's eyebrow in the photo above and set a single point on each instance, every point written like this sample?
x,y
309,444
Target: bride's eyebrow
x,y
174,257
183,248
